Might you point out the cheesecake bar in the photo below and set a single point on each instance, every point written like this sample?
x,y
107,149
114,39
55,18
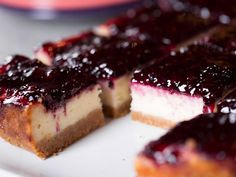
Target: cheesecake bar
x,y
109,60
201,147
182,85
44,109
127,44
168,28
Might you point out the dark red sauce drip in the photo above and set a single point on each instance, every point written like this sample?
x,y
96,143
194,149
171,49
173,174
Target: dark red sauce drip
x,y
25,81
200,70
214,135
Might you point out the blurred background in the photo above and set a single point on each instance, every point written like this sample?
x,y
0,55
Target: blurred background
x,y
27,23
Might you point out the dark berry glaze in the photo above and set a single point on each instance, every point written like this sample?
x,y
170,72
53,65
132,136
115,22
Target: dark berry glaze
x,y
136,39
87,40
228,103
106,58
200,70
61,47
164,28
211,135
132,15
24,81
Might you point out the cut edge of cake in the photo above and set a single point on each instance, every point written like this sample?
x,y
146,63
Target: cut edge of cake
x,y
115,96
161,111
44,132
191,149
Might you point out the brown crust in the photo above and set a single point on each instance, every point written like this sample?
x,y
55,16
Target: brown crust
x,y
151,120
15,127
117,112
193,167
71,134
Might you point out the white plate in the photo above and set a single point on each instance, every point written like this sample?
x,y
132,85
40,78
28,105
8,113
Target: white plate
x,y
108,152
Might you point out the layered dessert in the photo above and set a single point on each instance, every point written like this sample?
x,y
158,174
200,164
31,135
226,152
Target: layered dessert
x,y
45,109
182,85
203,146
114,50
168,28
110,61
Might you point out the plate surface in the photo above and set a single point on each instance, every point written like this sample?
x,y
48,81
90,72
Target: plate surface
x,y
107,152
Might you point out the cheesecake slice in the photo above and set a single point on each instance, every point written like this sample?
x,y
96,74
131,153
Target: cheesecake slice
x,y
110,61
201,147
168,28
116,49
182,85
45,109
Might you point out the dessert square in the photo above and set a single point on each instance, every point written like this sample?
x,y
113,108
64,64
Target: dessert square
x,y
168,28
117,48
110,61
203,146
182,85
45,109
